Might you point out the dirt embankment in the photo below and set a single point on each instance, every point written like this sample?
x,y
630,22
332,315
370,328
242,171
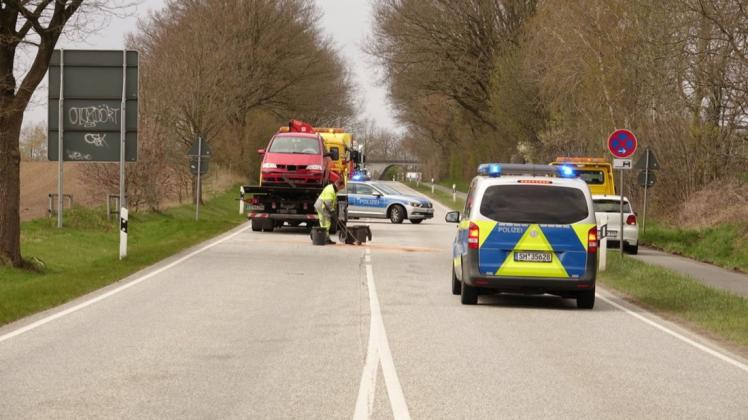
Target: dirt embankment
x,y
39,179
716,204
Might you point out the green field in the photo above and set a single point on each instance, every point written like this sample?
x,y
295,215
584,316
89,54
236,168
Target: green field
x,y
725,245
442,197
83,256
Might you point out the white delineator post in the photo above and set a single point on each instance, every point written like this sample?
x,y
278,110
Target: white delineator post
x,y
432,185
603,262
123,233
241,200
454,192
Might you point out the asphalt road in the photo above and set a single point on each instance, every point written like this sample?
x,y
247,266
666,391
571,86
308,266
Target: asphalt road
x,y
265,325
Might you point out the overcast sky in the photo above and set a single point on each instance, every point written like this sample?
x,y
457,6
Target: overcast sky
x,y
347,22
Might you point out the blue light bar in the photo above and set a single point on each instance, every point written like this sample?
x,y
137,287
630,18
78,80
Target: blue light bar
x,y
490,169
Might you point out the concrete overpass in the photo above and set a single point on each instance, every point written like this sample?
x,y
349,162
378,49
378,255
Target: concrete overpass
x,y
378,167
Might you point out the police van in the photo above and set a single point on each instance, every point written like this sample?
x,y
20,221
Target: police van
x,y
526,229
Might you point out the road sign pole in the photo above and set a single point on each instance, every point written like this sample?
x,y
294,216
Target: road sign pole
x,y
122,139
59,141
620,227
199,168
646,187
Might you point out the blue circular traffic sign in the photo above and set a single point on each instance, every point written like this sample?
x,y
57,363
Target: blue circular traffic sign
x,y
622,143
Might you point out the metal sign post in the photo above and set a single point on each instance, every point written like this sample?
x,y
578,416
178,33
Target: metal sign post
x,y
199,164
122,138
59,141
620,227
622,144
646,187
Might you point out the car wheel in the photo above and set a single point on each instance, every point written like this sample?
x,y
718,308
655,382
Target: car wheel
x,y
416,221
257,225
586,299
631,249
397,214
456,285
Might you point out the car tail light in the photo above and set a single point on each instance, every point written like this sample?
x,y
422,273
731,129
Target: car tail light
x,y
473,236
592,240
631,220
255,201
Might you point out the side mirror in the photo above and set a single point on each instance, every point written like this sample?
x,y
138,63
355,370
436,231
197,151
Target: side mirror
x,y
334,154
261,151
452,217
376,194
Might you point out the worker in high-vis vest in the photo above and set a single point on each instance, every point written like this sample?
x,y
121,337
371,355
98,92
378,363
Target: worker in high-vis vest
x,y
325,203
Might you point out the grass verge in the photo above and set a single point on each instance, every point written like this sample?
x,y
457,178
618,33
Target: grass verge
x,y
717,312
83,256
440,196
725,245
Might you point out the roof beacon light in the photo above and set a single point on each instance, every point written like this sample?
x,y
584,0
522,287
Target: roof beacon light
x,y
567,171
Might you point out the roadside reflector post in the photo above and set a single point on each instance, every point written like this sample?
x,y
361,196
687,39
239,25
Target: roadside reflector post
x,y
432,185
603,262
241,200
454,192
122,232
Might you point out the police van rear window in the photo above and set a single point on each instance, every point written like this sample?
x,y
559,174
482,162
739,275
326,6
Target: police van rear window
x,y
534,204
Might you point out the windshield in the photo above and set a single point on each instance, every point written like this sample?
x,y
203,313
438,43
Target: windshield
x,y
592,177
387,189
534,204
610,206
295,145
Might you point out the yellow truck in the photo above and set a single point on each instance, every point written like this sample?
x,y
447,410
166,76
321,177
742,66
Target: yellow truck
x,y
596,172
338,138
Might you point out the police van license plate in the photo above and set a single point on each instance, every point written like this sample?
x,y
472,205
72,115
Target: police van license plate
x,y
532,256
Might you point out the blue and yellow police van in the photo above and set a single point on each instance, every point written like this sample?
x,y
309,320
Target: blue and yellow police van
x,y
526,229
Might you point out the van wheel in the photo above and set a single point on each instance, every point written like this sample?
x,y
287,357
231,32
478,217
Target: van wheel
x,y
586,299
397,214
469,295
456,285
257,225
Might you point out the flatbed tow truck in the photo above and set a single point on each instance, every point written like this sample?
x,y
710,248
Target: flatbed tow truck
x,y
296,166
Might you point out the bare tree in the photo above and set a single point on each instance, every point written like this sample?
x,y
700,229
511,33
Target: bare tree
x,y
37,23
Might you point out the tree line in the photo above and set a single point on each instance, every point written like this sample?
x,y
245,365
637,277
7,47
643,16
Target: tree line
x,y
529,80
231,71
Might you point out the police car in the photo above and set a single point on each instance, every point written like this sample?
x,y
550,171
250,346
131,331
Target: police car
x,y
526,229
380,200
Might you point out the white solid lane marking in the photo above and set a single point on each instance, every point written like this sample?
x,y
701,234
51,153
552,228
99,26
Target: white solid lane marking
x,y
681,337
378,352
112,292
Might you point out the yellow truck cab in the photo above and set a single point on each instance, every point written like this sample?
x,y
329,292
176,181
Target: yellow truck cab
x,y
596,172
338,138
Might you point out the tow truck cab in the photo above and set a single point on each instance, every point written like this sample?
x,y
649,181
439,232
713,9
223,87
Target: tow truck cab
x,y
337,140
596,172
296,159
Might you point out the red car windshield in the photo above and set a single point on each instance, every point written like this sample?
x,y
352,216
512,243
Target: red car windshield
x,y
295,145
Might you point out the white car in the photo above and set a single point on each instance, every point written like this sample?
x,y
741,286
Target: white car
x,y
608,212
